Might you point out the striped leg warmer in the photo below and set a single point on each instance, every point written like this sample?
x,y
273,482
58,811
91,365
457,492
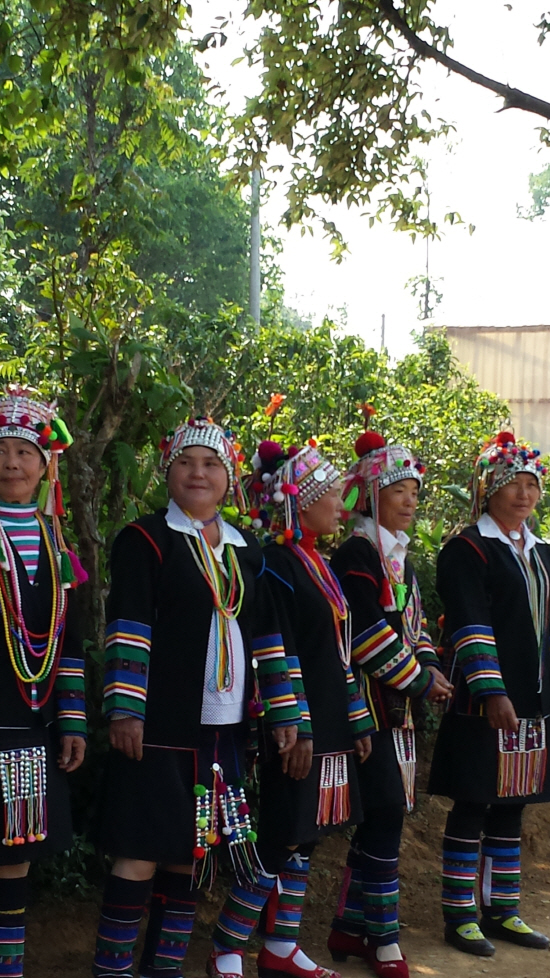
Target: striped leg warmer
x,y
349,917
460,857
13,898
240,914
380,899
500,876
171,917
123,904
286,900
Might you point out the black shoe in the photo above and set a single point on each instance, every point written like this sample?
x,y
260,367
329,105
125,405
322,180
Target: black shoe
x,y
525,938
473,944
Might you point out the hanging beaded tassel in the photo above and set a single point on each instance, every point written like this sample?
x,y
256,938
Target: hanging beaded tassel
x,y
23,781
224,805
405,751
522,760
334,803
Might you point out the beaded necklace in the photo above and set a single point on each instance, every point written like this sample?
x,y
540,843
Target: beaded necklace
x,y
538,590
227,595
14,622
329,586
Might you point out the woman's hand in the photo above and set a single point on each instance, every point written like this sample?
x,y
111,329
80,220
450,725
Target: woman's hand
x,y
363,748
72,753
297,763
501,714
441,688
285,738
126,735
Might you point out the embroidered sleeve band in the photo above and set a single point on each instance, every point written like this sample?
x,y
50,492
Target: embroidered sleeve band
x,y
71,704
295,673
127,647
359,715
477,654
380,653
274,681
424,651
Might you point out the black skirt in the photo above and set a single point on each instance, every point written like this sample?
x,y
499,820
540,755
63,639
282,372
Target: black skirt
x,y
465,762
58,809
288,808
148,807
379,776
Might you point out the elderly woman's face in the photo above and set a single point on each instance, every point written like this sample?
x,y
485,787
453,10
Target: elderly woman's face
x,y
22,466
514,502
397,504
323,516
197,481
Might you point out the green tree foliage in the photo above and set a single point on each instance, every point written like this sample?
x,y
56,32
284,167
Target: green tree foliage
x,y
342,90
539,187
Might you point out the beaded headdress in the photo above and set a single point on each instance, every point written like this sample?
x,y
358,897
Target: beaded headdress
x,y
285,483
499,462
23,417
203,431
378,465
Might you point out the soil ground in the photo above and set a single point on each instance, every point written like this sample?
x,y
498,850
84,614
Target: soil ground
x,y
61,934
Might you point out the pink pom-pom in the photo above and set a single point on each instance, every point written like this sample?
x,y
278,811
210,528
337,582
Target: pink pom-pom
x,y
293,451
292,489
78,570
244,809
269,451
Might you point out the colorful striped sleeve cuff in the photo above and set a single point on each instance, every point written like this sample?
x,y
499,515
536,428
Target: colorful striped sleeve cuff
x,y
127,648
295,673
424,651
71,703
274,681
360,718
477,654
380,653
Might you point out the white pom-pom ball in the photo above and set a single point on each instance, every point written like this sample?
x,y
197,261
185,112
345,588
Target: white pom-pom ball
x,y
278,497
256,461
257,524
266,477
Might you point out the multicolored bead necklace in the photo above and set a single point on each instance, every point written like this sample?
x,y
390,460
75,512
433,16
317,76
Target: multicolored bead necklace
x,y
227,595
329,586
42,647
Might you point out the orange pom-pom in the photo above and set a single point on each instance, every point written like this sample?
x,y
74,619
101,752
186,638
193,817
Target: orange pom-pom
x,y
312,443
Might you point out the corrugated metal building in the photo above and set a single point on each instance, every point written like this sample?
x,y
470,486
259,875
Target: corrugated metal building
x,y
513,362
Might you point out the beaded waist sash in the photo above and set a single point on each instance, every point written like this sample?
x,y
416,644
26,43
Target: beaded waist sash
x,y
522,759
23,783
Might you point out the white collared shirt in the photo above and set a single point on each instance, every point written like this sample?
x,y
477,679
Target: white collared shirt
x,y
393,544
219,707
489,528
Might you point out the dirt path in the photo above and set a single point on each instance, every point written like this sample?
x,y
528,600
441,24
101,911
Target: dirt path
x,y
60,936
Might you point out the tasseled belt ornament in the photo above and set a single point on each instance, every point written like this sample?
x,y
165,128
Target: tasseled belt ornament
x,y
222,812
405,751
334,804
23,783
522,760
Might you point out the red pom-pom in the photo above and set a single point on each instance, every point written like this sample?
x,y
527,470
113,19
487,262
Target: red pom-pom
x,y
241,457
244,809
222,788
293,451
24,419
288,534
386,594
43,441
3,420
312,443
504,437
367,442
199,852
269,451
253,513
257,486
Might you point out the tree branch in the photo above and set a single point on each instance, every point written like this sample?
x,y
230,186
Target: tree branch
x,y
514,98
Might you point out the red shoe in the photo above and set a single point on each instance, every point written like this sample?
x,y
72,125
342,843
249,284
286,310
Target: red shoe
x,y
212,968
386,969
342,946
272,966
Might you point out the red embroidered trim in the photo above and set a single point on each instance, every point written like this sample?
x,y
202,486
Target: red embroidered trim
x,y
136,526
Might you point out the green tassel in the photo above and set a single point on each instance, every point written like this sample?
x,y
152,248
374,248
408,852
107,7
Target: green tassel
x,y
3,558
66,572
61,429
43,494
400,591
351,499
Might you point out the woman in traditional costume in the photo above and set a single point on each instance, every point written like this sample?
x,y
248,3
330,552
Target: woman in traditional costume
x,y
392,648
190,642
490,756
314,788
42,710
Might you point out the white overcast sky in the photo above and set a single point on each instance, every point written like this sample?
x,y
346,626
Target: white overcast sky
x,y
498,276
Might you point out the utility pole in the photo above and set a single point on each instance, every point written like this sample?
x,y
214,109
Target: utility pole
x,y
383,332
255,246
